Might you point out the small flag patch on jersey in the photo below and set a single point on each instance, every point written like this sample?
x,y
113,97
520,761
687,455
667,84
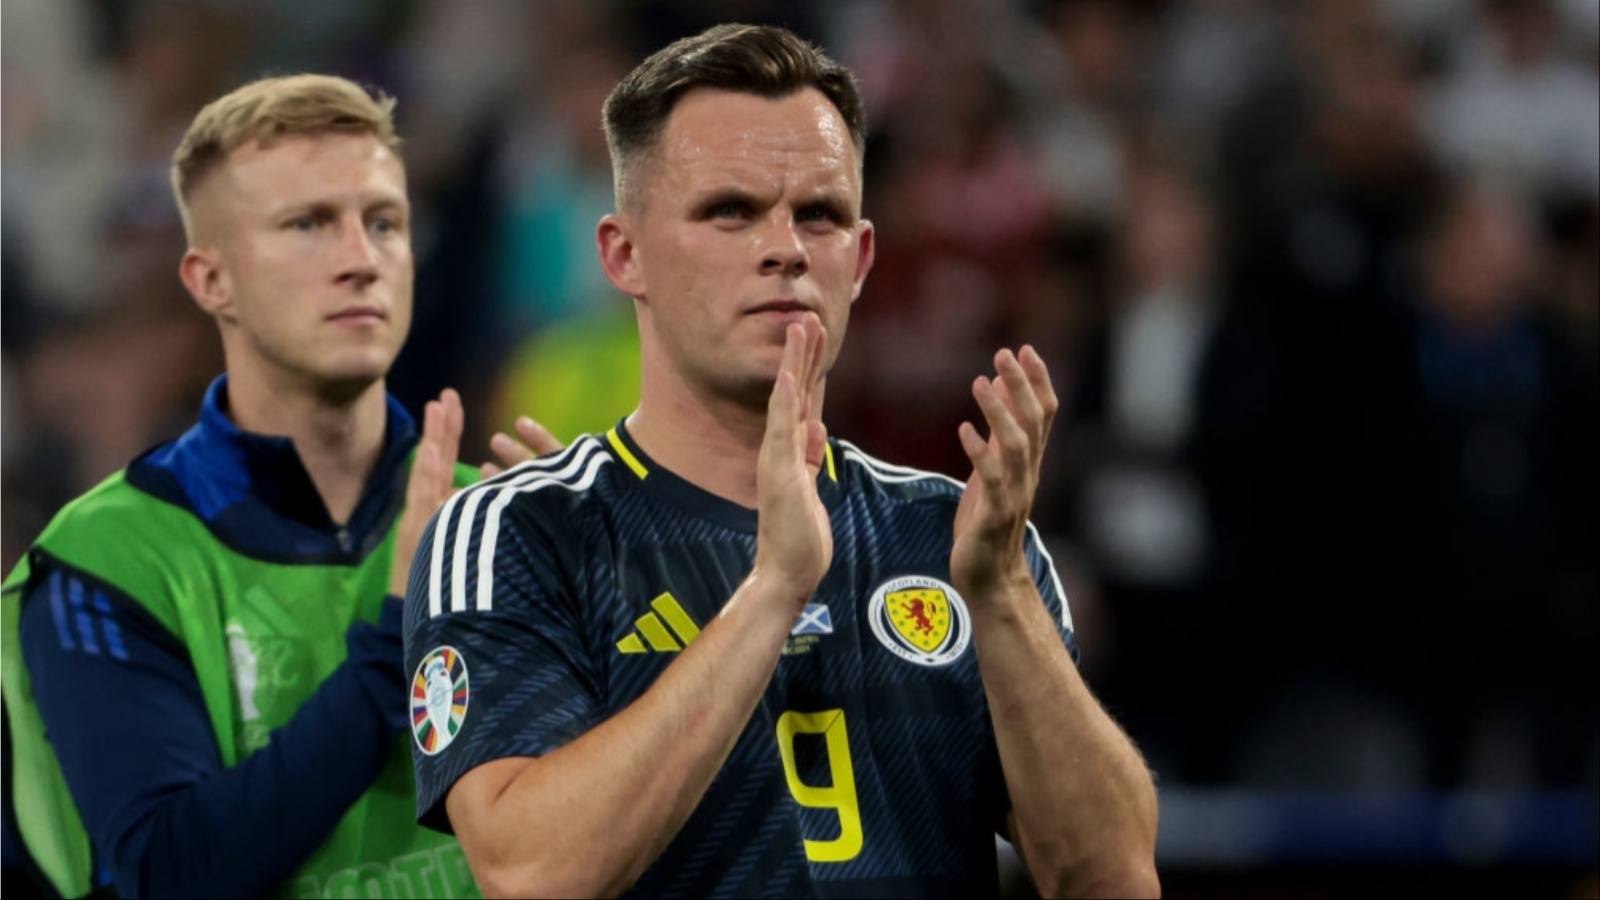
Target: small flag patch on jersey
x,y
439,695
814,619
665,629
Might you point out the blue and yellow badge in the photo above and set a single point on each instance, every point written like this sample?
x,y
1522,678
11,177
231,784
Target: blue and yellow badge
x,y
921,620
438,699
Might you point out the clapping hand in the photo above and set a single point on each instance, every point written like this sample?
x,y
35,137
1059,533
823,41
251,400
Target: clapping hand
x,y
431,483
1019,406
795,538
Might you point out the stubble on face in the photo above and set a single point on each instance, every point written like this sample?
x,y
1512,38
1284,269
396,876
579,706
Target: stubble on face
x,y
747,201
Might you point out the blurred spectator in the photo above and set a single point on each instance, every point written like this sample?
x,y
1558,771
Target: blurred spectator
x,y
1517,107
1506,473
1327,180
554,171
1139,505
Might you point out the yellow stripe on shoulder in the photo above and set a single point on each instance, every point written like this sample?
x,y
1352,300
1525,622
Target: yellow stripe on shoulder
x,y
626,455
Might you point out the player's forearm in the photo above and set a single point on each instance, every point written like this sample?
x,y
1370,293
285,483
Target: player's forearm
x,y
205,841
140,756
1083,802
589,818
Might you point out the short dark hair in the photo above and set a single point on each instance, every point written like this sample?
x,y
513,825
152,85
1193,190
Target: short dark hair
x,y
764,60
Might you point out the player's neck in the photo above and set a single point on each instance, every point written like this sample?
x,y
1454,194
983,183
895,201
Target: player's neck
x,y
338,434
709,441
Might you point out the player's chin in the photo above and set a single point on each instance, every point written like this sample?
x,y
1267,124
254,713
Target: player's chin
x,y
750,385
356,367
771,329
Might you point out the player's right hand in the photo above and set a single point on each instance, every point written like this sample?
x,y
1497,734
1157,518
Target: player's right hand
x,y
536,441
432,481
794,542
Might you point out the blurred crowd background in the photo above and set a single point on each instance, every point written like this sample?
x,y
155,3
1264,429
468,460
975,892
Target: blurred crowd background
x,y
1317,281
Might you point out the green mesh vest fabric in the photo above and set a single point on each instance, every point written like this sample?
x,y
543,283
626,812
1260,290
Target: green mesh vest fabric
x,y
261,637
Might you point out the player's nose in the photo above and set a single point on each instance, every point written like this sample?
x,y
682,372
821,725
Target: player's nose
x,y
357,258
782,250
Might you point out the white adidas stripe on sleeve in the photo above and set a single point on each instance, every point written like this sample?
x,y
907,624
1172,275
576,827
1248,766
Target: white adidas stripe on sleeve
x,y
491,526
460,536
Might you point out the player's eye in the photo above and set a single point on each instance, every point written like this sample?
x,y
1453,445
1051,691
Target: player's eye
x,y
385,225
816,212
728,209
302,223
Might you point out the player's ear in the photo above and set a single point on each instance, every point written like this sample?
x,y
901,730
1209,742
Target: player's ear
x,y
866,252
207,281
619,255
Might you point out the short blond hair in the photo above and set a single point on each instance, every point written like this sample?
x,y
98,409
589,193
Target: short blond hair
x,y
272,108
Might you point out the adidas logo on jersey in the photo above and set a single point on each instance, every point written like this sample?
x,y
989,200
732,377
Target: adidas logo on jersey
x,y
666,629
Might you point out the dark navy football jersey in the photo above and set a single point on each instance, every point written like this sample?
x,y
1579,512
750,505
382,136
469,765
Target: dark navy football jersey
x,y
547,599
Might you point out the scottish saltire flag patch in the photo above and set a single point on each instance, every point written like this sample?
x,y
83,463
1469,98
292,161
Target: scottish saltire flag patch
x,y
814,619
439,695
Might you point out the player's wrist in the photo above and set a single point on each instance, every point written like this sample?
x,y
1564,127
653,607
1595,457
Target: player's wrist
x,y
994,583
779,589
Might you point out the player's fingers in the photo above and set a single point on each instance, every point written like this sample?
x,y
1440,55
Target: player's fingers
x,y
794,351
984,462
816,348
1039,377
1019,395
1007,434
536,436
508,450
423,490
489,470
781,415
454,421
972,442
430,420
436,459
432,427
793,365
418,483
816,445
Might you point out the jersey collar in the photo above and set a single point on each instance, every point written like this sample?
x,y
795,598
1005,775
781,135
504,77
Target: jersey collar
x,y
255,493
671,488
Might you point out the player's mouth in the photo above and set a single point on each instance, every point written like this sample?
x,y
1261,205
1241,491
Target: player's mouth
x,y
359,315
784,311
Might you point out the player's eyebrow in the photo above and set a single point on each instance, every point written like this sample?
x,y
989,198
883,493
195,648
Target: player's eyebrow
x,y
386,203
318,209
328,207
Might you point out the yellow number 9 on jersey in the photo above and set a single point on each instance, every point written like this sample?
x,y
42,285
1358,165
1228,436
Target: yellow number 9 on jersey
x,y
839,796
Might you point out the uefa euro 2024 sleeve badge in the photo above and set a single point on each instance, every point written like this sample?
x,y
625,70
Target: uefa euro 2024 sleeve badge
x,y
438,699
921,620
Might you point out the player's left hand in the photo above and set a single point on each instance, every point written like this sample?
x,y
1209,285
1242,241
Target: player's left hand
x,y
992,517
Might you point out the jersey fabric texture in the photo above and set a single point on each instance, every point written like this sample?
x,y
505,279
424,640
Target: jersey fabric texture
x,y
546,600
204,586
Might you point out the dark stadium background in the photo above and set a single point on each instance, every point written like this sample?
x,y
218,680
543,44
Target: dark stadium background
x,y
1318,281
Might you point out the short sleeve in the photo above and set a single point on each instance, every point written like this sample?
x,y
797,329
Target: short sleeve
x,y
1048,581
496,658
